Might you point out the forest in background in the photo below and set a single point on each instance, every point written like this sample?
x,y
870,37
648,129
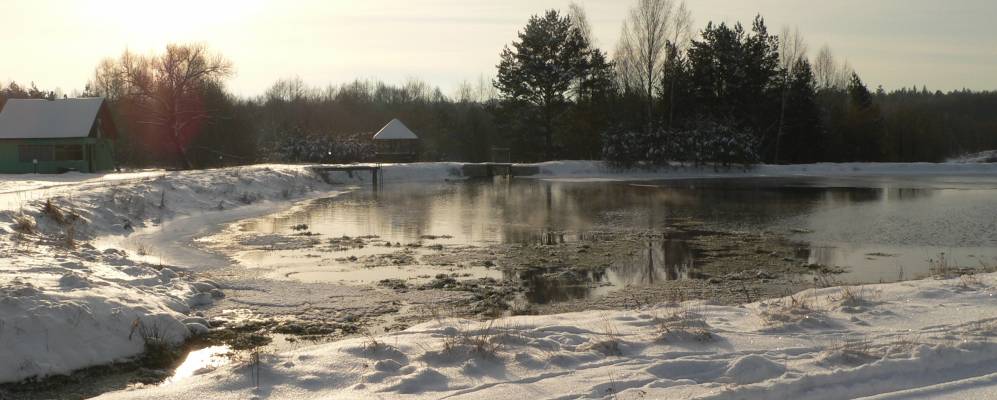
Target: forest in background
x,y
725,94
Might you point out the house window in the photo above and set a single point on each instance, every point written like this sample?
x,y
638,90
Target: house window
x,y
69,152
30,152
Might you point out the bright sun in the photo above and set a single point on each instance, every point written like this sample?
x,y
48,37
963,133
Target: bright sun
x,y
148,23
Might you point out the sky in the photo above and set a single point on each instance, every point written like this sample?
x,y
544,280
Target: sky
x,y
944,45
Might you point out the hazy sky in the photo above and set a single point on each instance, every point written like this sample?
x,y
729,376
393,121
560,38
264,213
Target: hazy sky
x,y
56,43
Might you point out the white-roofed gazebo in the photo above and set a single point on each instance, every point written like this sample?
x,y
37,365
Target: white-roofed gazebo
x,y
395,142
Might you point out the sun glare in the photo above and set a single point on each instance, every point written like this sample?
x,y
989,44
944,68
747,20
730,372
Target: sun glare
x,y
153,23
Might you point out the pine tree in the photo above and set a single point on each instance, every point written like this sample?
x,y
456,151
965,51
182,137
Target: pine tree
x,y
675,89
590,114
732,76
538,72
803,134
864,131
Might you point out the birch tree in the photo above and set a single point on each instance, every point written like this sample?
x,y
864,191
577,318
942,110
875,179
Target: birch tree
x,y
792,48
642,52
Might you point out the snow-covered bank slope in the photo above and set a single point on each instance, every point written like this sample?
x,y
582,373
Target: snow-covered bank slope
x,y
931,338
275,182
989,156
17,189
64,305
596,169
62,312
161,194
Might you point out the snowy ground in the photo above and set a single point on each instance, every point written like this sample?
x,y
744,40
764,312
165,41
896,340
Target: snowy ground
x,y
589,170
65,304
923,339
988,156
61,312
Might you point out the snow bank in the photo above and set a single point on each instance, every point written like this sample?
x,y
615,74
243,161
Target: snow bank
x,y
989,156
117,204
62,312
273,182
66,305
598,170
401,173
922,338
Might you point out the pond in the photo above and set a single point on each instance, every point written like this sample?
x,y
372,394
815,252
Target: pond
x,y
879,229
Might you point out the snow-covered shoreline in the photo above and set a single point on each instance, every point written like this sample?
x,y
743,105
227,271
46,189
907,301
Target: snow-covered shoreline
x,y
930,338
568,170
19,190
66,305
67,308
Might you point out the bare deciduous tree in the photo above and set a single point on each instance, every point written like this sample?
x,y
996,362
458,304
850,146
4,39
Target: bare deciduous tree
x,y
682,31
481,91
642,53
828,73
288,90
844,76
681,37
578,17
825,68
792,47
166,88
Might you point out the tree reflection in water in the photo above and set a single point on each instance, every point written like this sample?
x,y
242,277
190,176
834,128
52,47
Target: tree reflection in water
x,y
538,212
662,260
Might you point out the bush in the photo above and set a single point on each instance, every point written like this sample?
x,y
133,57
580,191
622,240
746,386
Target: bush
x,y
704,143
320,149
623,148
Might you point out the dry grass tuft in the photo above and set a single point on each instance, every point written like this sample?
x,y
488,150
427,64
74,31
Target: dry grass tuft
x,y
481,340
683,324
851,296
790,310
864,350
851,352
370,344
23,224
69,237
52,211
905,343
970,282
608,340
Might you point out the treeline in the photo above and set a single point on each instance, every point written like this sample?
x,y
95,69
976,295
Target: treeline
x,y
728,94
172,110
15,91
929,126
341,119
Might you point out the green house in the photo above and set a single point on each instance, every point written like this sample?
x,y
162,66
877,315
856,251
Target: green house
x,y
55,136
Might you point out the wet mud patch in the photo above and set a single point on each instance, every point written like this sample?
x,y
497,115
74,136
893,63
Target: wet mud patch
x,y
383,282
594,265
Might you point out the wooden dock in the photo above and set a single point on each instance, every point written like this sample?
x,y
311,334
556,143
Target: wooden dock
x,y
467,170
492,169
324,170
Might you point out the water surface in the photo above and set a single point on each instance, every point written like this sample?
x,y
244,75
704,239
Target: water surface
x,y
880,229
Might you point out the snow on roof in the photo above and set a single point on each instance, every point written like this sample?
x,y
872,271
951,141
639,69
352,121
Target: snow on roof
x,y
395,130
48,119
